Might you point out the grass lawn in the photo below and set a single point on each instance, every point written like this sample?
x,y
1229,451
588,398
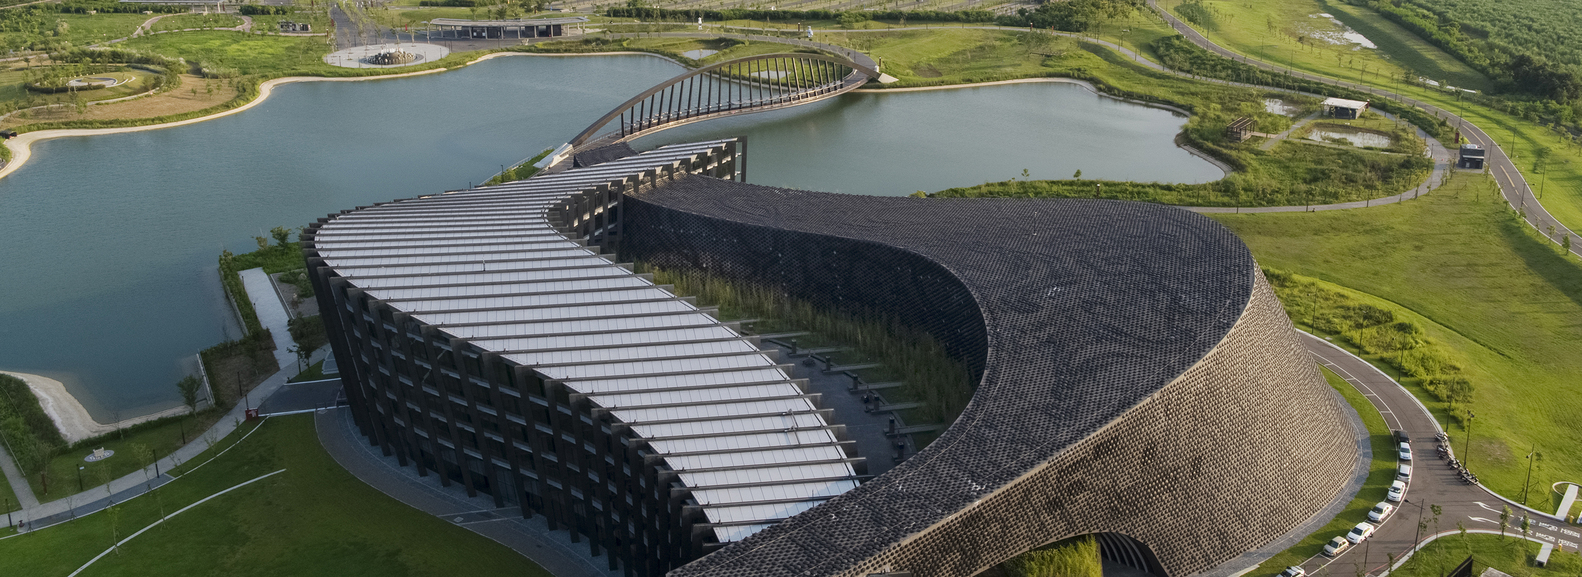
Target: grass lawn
x,y
248,53
1380,473
85,29
188,21
314,372
163,437
1500,301
1512,555
12,89
1289,33
312,519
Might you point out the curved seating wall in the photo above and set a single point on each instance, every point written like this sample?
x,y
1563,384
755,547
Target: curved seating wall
x,y
1138,375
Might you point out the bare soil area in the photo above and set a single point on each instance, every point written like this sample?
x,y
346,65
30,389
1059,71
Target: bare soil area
x,y
179,101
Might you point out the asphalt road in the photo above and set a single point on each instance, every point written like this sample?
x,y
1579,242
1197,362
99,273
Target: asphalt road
x,y
1515,188
1433,481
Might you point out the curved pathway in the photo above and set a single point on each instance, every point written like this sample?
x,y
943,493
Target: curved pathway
x,y
1518,193
1433,481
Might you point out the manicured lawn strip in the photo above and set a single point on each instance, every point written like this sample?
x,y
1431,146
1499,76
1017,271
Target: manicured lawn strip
x,y
314,372
1479,282
1381,471
313,519
1511,554
163,437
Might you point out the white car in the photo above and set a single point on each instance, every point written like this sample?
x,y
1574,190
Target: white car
x,y
1293,571
1406,452
1335,546
1397,492
1360,532
1380,511
1403,472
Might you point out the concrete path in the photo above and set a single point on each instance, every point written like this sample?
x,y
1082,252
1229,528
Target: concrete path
x,y
1269,143
1433,481
272,315
18,482
552,550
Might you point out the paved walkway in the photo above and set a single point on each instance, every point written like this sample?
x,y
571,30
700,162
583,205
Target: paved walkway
x,y
18,482
272,315
552,550
1269,143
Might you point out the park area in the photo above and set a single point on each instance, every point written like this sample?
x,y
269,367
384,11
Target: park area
x,y
289,510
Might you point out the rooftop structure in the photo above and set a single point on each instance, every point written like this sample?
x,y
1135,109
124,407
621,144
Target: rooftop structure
x,y
1343,108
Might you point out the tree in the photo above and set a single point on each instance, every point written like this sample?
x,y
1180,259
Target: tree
x,y
188,386
1078,174
114,513
282,235
1505,516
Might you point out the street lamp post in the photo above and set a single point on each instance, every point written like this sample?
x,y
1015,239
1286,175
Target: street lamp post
x,y
1466,448
79,478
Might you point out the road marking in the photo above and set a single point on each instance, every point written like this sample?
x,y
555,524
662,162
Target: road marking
x,y
1480,519
1383,407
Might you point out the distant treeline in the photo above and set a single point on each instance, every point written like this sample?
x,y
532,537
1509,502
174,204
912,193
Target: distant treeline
x,y
1521,70
256,10
458,3
113,7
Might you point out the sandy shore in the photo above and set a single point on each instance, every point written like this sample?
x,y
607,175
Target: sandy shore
x,y
70,417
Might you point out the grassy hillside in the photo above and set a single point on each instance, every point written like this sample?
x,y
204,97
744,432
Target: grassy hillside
x,y
1294,33
1501,302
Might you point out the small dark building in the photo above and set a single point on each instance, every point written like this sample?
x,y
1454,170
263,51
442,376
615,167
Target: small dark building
x,y
1344,109
1472,157
513,29
288,26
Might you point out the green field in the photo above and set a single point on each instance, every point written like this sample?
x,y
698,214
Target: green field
x,y
1503,304
8,500
1547,157
312,519
1290,33
1546,27
249,54
1512,555
1381,472
188,21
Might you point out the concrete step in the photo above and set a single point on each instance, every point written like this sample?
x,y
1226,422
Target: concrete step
x,y
856,367
877,386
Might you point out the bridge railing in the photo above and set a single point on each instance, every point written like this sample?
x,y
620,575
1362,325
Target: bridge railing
x,y
751,84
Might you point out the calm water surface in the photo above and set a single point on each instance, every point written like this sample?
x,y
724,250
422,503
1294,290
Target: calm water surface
x,y
107,271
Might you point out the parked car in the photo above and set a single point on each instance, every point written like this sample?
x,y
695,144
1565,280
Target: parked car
x,y
1335,546
1397,492
1403,472
1360,532
1400,437
1380,511
1406,452
1293,571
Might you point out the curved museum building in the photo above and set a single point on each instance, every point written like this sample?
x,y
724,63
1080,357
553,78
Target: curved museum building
x,y
1134,376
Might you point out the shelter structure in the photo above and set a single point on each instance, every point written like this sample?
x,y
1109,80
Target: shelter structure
x,y
1344,109
441,28
1472,157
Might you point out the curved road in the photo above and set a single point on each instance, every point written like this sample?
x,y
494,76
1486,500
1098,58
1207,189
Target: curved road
x,y
1515,188
1433,481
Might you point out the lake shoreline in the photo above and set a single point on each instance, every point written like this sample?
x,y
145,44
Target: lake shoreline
x,y
70,417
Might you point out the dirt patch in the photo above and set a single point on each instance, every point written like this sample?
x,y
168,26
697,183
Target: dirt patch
x,y
182,100
926,71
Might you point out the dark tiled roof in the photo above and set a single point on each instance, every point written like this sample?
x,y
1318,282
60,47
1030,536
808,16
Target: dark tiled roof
x,y
1090,307
602,155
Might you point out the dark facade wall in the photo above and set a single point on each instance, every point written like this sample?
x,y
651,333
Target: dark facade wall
x,y
1226,458
858,277
497,428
